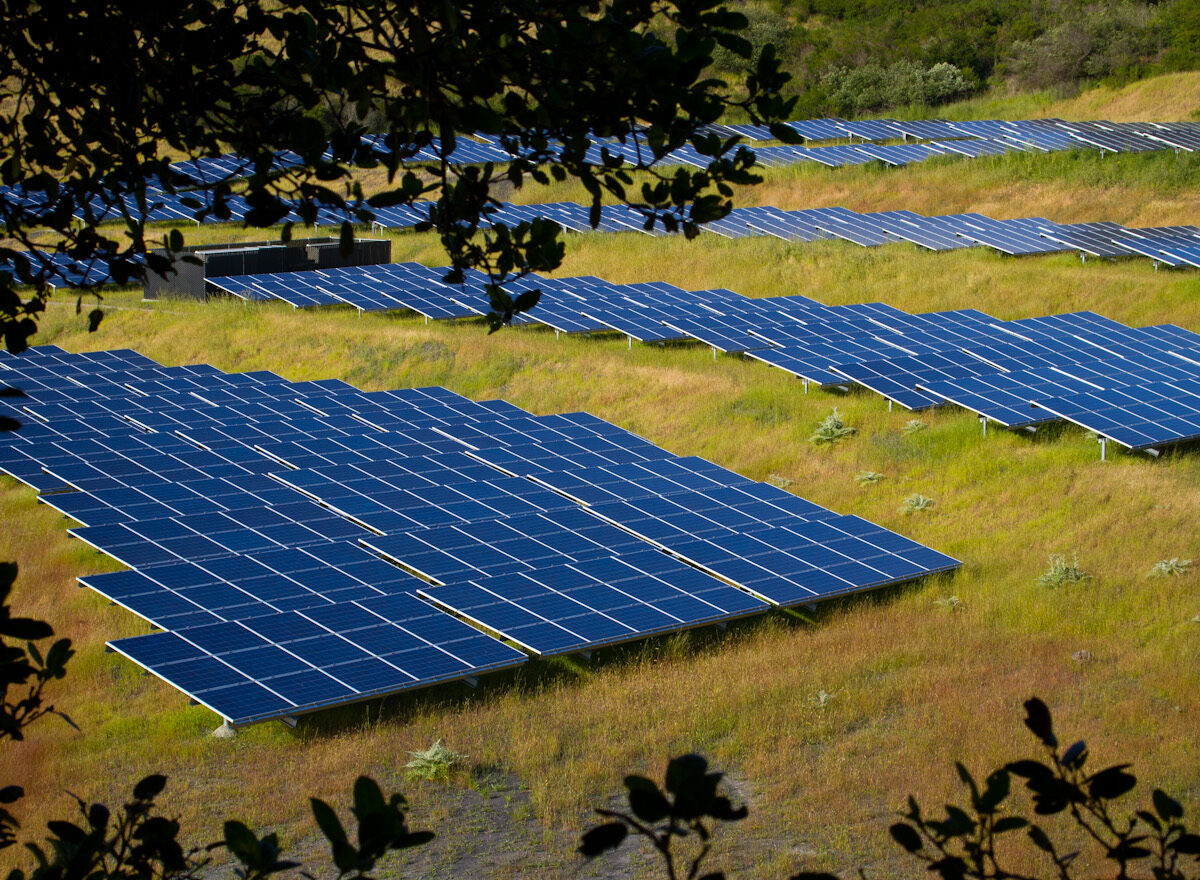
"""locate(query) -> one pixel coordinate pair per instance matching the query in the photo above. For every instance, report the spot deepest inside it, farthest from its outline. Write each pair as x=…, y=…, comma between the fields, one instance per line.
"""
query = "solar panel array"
x=307, y=544
x=1175, y=246
x=1016, y=373
x=870, y=141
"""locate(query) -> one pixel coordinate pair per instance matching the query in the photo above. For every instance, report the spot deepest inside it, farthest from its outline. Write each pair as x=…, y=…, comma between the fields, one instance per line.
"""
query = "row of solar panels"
x=968, y=138
x=937, y=138
x=1016, y=373
x=1174, y=246
x=307, y=544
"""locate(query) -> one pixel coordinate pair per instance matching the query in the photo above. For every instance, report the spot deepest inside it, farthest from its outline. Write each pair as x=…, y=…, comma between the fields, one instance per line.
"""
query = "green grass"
x=908, y=686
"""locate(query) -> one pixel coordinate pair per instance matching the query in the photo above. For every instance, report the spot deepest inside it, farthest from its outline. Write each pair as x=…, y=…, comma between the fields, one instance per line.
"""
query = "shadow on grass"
x=543, y=673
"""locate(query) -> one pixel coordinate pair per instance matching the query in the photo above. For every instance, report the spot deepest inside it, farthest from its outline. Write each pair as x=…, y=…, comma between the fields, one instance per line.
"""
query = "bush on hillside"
x=1106, y=40
x=858, y=90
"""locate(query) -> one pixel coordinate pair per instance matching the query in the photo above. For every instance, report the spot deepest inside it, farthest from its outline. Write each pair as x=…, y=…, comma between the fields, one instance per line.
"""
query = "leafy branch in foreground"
x=137, y=842
x=964, y=844
x=24, y=670
x=98, y=99
x=685, y=806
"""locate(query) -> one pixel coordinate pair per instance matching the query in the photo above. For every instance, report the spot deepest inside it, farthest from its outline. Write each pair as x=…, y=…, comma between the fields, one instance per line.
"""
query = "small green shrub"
x=831, y=430
x=914, y=426
x=1173, y=567
x=866, y=478
x=434, y=764
x=916, y=502
x=953, y=603
x=1060, y=572
x=821, y=699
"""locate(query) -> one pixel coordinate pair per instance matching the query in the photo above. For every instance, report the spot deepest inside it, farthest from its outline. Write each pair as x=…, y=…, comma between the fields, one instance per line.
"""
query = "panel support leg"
x=805, y=381
x=889, y=404
x=1103, y=448
x=631, y=343
x=225, y=731
x=983, y=421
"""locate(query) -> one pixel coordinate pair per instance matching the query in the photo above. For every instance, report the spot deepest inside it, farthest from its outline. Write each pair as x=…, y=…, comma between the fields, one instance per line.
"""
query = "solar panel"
x=307, y=544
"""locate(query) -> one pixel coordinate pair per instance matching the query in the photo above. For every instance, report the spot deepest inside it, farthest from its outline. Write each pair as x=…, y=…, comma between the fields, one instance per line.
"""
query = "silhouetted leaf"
x=1037, y=719
x=1008, y=823
x=905, y=835
x=25, y=628
x=1166, y=806
x=1075, y=756
x=646, y=801
x=149, y=787
x=1040, y=840
x=1111, y=782
x=241, y=841
x=328, y=822
x=1034, y=770
x=1186, y=844
x=602, y=838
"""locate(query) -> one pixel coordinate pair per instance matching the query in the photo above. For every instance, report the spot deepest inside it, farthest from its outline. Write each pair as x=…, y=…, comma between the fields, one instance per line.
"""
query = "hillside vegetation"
x=857, y=56
x=823, y=721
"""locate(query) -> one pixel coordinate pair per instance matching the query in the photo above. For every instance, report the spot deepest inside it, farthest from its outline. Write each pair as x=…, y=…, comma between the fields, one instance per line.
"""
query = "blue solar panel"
x=277, y=598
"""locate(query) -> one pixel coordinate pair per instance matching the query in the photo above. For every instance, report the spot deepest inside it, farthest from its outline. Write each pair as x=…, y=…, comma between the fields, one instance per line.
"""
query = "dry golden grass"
x=1167, y=98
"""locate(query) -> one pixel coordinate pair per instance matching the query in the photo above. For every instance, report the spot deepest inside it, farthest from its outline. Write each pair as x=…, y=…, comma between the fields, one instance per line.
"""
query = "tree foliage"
x=137, y=840
x=967, y=842
x=98, y=97
x=1151, y=841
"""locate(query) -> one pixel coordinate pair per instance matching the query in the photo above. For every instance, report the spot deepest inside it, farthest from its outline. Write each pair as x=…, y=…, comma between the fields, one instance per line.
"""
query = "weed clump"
x=914, y=426
x=1173, y=567
x=434, y=764
x=831, y=430
x=1061, y=572
x=916, y=502
x=866, y=478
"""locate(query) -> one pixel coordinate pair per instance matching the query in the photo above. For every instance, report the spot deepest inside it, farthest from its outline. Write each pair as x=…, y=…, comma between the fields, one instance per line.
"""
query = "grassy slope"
x=915, y=684
x=1169, y=97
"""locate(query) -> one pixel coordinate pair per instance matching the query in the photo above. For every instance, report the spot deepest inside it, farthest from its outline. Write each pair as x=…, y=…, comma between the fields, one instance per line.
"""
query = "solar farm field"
x=824, y=719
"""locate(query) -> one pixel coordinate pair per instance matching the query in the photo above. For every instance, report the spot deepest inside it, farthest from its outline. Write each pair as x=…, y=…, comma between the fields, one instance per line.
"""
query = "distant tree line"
x=863, y=56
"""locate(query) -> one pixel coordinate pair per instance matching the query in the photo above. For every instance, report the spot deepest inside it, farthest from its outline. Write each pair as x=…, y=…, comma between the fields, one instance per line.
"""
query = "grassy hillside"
x=824, y=722
x=1164, y=98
